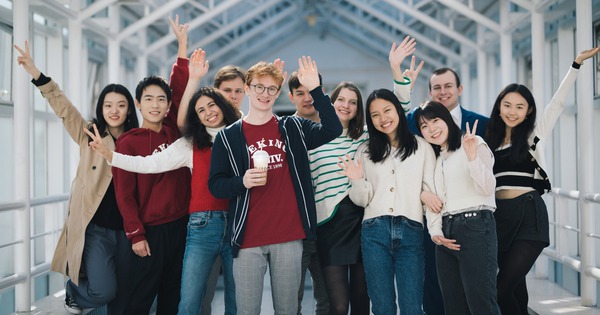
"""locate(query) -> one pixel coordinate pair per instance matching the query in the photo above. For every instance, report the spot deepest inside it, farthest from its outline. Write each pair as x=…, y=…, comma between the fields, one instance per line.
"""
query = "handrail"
x=40, y=201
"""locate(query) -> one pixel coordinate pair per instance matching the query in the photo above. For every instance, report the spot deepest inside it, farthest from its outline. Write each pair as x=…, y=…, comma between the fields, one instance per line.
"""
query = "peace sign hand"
x=198, y=66
x=413, y=73
x=26, y=61
x=180, y=30
x=97, y=145
x=349, y=168
x=469, y=142
x=308, y=74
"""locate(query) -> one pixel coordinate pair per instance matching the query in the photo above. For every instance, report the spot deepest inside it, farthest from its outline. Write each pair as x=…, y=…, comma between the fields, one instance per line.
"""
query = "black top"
x=511, y=175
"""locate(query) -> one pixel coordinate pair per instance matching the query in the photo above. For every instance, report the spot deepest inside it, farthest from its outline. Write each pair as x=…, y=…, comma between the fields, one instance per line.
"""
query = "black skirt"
x=338, y=240
x=522, y=218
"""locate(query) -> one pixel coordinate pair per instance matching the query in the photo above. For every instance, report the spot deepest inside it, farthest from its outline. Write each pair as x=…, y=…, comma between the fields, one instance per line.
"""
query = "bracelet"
x=576, y=65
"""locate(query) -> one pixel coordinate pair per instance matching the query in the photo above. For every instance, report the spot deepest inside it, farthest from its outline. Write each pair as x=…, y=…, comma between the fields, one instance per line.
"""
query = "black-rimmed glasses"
x=259, y=88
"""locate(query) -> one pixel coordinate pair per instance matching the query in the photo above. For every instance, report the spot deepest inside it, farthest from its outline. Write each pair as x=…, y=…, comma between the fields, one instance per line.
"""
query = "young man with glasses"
x=267, y=228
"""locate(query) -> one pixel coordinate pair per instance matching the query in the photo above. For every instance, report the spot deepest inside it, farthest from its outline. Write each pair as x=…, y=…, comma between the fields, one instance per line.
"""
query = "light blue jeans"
x=393, y=246
x=207, y=238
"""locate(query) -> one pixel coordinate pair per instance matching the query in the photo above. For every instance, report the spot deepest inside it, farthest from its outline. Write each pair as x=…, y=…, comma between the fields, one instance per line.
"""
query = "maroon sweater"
x=202, y=199
x=153, y=199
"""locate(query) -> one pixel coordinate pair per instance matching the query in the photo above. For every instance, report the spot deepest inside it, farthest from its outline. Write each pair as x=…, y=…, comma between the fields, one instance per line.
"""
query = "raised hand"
x=586, y=54
x=180, y=31
x=26, y=61
x=279, y=64
x=198, y=64
x=450, y=244
x=97, y=145
x=432, y=201
x=308, y=74
x=413, y=73
x=349, y=168
x=399, y=53
x=469, y=142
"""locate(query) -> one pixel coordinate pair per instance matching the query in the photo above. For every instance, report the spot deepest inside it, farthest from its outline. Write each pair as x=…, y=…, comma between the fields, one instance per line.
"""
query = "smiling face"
x=513, y=109
x=114, y=111
x=209, y=113
x=262, y=102
x=346, y=105
x=444, y=89
x=153, y=106
x=385, y=118
x=435, y=131
x=233, y=90
x=303, y=102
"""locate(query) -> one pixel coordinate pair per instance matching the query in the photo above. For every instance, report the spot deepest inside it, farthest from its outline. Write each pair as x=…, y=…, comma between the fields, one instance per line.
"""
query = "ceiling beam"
x=472, y=14
x=148, y=19
x=201, y=19
x=525, y=4
x=265, y=41
x=94, y=8
x=232, y=26
x=433, y=23
x=421, y=38
x=384, y=50
x=290, y=11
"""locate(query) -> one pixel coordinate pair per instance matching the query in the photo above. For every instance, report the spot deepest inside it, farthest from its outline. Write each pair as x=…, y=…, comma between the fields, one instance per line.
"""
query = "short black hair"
x=152, y=80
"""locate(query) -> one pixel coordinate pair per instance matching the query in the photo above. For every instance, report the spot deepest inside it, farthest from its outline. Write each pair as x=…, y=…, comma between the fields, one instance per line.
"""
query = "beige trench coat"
x=87, y=190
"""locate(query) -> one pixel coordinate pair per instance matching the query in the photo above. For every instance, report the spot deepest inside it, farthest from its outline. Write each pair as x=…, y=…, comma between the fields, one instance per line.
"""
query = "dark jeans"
x=99, y=285
x=468, y=276
x=433, y=303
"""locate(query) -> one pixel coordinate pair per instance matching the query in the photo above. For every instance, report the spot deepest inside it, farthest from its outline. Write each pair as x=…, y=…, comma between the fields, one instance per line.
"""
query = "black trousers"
x=142, y=279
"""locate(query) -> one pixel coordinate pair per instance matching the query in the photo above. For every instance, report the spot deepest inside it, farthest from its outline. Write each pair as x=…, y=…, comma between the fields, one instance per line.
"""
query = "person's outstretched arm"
x=198, y=68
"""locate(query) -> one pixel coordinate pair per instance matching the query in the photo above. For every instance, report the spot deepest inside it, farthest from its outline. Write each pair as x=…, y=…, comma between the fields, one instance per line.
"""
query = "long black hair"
x=432, y=109
x=194, y=129
x=379, y=146
x=356, y=125
x=130, y=122
x=496, y=128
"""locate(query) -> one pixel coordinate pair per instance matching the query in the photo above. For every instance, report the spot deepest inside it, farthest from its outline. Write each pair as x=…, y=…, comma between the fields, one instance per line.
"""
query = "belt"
x=469, y=214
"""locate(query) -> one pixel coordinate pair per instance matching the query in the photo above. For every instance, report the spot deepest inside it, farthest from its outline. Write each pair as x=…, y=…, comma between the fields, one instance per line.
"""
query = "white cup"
x=261, y=159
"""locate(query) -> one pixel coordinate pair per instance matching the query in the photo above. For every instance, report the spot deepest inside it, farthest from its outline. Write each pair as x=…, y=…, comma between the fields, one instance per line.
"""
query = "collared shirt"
x=457, y=115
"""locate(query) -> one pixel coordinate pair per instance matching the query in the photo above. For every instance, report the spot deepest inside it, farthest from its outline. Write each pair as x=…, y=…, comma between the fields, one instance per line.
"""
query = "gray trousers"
x=249, y=269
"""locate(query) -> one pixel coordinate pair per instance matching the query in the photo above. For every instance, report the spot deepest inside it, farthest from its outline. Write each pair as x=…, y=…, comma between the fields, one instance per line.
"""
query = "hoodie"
x=153, y=199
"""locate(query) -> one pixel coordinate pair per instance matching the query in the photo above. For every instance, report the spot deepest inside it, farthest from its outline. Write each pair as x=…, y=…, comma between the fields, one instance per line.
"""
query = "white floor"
x=545, y=298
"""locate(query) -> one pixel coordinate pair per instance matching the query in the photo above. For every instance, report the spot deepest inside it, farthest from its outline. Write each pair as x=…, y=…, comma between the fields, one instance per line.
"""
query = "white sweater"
x=463, y=185
x=393, y=187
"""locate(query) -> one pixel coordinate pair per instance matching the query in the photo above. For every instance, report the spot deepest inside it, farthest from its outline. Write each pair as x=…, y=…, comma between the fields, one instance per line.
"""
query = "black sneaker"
x=70, y=304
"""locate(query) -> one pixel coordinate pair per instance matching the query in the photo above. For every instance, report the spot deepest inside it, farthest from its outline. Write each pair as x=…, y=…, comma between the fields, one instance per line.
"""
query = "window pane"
x=6, y=52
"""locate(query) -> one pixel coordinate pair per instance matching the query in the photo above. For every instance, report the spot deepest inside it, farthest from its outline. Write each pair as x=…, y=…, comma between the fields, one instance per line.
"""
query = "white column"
x=482, y=73
x=585, y=103
x=465, y=78
x=76, y=77
x=506, y=63
x=114, y=46
x=538, y=79
x=21, y=129
x=141, y=67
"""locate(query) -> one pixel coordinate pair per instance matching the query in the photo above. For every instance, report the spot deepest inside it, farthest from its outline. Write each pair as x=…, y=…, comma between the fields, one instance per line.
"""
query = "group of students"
x=378, y=215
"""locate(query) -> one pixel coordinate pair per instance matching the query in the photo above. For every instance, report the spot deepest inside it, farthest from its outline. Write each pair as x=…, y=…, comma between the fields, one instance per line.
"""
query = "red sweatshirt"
x=153, y=199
